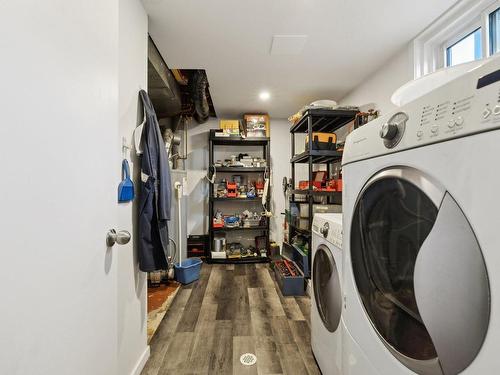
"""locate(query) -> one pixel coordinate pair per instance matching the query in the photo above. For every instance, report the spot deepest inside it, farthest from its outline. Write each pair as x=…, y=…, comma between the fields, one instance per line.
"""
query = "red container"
x=339, y=184
x=232, y=189
x=304, y=185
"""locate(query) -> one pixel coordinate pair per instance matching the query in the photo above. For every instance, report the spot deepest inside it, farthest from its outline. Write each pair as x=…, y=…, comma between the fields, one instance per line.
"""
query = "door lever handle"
x=121, y=237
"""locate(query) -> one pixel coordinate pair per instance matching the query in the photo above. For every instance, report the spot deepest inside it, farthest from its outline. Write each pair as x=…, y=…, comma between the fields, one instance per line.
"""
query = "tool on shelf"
x=218, y=220
x=232, y=189
x=246, y=219
x=289, y=267
x=265, y=192
x=213, y=172
x=232, y=221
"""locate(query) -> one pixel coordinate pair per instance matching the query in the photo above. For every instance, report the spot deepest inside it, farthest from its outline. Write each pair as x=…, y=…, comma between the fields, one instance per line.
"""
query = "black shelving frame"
x=263, y=229
x=315, y=120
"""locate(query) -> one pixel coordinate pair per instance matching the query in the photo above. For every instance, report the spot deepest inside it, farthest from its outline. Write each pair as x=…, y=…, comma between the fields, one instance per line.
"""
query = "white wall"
x=280, y=162
x=379, y=87
x=197, y=168
x=132, y=348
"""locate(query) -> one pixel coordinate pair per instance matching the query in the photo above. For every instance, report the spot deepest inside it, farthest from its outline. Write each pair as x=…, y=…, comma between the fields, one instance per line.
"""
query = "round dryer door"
x=420, y=272
x=327, y=289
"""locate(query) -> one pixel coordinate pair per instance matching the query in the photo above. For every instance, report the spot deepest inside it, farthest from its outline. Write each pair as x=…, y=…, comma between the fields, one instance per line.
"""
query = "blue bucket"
x=188, y=271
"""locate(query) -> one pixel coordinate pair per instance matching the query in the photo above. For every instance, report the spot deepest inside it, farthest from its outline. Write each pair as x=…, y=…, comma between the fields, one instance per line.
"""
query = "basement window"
x=466, y=49
x=469, y=31
x=495, y=32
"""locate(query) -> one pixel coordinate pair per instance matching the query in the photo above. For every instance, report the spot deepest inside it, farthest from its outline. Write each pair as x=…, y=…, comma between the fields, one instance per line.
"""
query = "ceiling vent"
x=288, y=45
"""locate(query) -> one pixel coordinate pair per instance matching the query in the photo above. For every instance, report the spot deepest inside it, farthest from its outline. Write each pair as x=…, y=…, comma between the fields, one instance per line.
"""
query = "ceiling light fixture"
x=264, y=95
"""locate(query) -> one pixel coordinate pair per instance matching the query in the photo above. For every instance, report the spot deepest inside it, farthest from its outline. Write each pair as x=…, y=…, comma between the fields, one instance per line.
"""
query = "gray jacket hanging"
x=154, y=195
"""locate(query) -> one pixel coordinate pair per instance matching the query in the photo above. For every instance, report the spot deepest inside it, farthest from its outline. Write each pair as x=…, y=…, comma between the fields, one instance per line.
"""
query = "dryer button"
x=459, y=121
x=434, y=129
x=486, y=113
x=496, y=110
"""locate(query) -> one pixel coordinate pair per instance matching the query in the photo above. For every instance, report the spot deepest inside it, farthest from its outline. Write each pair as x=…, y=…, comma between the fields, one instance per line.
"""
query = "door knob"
x=121, y=237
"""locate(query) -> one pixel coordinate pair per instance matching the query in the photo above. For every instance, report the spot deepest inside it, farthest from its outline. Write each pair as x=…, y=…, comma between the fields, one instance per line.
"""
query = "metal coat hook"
x=125, y=147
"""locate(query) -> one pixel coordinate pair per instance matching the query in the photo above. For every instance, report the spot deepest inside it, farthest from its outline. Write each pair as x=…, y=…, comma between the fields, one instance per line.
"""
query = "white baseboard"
x=142, y=362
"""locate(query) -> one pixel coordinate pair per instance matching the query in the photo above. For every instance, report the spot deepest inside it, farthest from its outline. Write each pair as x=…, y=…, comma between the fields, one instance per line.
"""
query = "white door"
x=60, y=165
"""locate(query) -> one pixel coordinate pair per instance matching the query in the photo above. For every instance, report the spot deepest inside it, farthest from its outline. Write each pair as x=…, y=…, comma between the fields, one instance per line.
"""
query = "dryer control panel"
x=329, y=226
x=467, y=105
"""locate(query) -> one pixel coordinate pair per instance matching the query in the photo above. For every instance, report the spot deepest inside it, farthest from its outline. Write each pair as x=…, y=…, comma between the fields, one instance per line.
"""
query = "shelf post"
x=310, y=196
x=210, y=197
x=292, y=147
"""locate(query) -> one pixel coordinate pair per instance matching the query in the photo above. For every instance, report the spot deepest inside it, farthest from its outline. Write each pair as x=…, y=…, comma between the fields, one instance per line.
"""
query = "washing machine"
x=421, y=234
x=326, y=296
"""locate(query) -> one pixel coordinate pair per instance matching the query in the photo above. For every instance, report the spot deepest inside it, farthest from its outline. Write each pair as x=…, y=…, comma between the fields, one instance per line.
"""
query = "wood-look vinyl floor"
x=232, y=310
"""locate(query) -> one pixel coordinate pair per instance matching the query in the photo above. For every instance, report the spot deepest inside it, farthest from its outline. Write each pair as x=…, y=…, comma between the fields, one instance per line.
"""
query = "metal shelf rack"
x=315, y=120
x=239, y=200
x=263, y=229
x=240, y=260
x=318, y=157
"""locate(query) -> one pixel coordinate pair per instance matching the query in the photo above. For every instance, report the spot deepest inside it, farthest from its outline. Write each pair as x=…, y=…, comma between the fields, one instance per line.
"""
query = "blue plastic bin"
x=188, y=271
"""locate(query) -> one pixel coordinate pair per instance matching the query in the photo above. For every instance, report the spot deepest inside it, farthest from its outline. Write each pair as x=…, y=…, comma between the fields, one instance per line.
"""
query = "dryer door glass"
x=327, y=290
x=391, y=220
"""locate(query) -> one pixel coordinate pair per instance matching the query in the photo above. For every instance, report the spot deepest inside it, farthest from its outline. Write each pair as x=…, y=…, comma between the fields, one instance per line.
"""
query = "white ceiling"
x=346, y=41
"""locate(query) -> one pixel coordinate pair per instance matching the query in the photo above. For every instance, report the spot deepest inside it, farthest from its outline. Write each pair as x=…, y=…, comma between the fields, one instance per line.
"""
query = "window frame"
x=468, y=30
x=494, y=8
x=429, y=47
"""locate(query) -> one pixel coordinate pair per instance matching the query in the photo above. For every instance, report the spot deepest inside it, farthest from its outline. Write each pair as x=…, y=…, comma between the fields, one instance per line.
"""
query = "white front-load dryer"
x=421, y=243
x=326, y=298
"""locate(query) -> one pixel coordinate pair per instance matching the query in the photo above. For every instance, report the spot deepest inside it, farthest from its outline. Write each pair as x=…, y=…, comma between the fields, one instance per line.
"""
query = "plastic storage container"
x=197, y=246
x=289, y=285
x=188, y=271
x=296, y=255
x=323, y=141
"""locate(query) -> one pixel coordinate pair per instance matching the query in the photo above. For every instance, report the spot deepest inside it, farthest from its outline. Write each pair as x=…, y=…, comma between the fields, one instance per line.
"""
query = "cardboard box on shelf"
x=231, y=127
x=256, y=125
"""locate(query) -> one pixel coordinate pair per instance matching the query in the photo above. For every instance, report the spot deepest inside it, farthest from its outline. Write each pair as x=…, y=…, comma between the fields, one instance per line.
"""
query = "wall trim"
x=142, y=362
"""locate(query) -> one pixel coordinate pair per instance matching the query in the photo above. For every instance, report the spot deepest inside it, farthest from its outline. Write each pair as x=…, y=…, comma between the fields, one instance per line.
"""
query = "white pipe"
x=178, y=188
